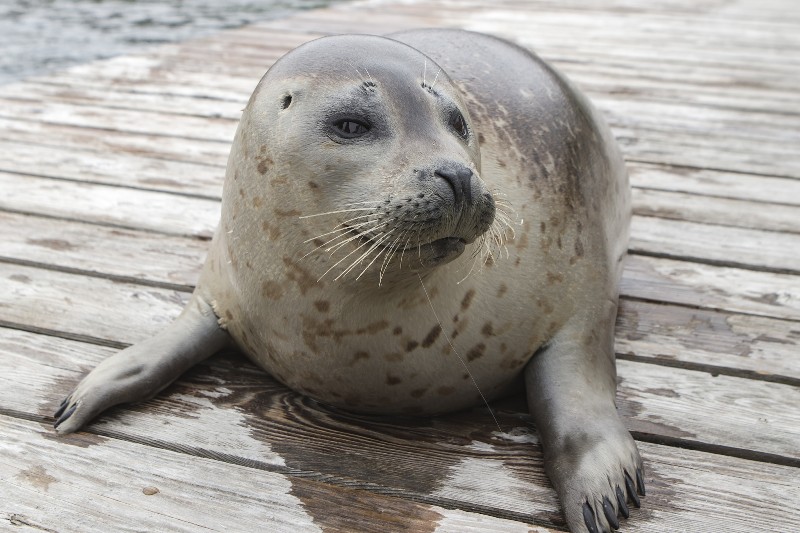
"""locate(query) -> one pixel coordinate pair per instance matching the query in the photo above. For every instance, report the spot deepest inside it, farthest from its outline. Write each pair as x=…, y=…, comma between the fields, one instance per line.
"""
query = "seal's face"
x=382, y=155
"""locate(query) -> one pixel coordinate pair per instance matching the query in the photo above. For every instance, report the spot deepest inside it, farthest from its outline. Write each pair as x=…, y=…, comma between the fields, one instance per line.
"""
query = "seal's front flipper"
x=140, y=371
x=590, y=457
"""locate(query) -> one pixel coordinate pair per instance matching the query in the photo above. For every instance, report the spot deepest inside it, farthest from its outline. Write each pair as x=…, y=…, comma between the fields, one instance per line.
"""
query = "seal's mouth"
x=419, y=255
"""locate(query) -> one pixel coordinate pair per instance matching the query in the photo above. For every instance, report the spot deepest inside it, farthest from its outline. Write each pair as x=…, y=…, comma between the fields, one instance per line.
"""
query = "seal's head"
x=367, y=147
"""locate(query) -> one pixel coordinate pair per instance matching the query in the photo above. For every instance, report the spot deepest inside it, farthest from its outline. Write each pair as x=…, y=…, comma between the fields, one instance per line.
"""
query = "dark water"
x=39, y=36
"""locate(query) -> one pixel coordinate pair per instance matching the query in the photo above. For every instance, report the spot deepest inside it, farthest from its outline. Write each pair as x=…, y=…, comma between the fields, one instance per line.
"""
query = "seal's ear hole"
x=287, y=101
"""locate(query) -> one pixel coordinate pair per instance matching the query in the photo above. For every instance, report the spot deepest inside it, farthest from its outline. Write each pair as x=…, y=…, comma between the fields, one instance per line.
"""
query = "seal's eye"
x=458, y=124
x=349, y=128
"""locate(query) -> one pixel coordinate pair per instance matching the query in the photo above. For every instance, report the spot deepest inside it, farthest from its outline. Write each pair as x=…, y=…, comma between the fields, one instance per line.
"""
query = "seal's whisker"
x=383, y=239
x=335, y=212
x=374, y=243
x=343, y=233
x=471, y=268
x=342, y=259
x=360, y=234
x=343, y=226
x=405, y=247
x=389, y=256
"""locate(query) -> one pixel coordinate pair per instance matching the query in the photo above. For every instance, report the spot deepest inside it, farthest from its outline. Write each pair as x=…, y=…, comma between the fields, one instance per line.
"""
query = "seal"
x=412, y=230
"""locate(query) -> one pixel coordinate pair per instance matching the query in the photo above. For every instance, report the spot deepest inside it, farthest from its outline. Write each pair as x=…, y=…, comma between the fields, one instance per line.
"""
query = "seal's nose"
x=460, y=179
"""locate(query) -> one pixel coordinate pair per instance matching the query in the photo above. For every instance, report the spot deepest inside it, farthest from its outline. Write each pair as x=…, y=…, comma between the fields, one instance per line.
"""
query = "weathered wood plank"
x=738, y=213
x=80, y=306
x=114, y=206
x=97, y=165
x=704, y=182
x=44, y=136
x=100, y=250
x=104, y=118
x=715, y=340
x=724, y=288
x=728, y=246
x=90, y=483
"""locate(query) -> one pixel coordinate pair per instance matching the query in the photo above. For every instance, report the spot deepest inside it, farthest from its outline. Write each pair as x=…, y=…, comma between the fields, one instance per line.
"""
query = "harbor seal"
x=411, y=231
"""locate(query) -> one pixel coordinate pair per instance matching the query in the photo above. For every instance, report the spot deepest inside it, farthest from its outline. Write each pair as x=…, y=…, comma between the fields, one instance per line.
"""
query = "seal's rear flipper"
x=141, y=371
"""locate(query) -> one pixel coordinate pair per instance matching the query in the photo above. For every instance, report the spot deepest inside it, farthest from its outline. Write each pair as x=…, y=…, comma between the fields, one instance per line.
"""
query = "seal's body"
x=397, y=228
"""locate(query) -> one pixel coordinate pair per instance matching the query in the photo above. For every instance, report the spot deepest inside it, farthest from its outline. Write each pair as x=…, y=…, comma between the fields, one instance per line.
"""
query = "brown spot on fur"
x=263, y=165
x=543, y=226
x=445, y=391
x=487, y=330
x=481, y=138
x=393, y=357
x=303, y=279
x=398, y=330
x=241, y=192
x=358, y=356
x=553, y=278
x=465, y=303
x=545, y=306
x=272, y=290
x=289, y=213
x=373, y=328
x=502, y=290
x=432, y=335
x=503, y=347
x=417, y=393
x=411, y=345
x=228, y=314
x=393, y=380
x=578, y=248
x=464, y=376
x=323, y=306
x=271, y=229
x=313, y=185
x=257, y=201
x=476, y=352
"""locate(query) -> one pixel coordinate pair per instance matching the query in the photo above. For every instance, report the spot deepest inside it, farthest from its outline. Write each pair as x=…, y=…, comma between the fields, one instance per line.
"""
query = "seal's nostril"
x=464, y=173
x=460, y=179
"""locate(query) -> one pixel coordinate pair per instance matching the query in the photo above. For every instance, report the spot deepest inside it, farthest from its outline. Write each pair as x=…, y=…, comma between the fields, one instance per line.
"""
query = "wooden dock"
x=110, y=180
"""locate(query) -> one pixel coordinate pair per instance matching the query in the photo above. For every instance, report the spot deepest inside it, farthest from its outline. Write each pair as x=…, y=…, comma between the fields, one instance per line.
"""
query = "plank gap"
x=729, y=170
x=79, y=337
x=117, y=185
x=714, y=370
x=106, y=224
x=715, y=262
x=118, y=130
x=717, y=449
x=101, y=275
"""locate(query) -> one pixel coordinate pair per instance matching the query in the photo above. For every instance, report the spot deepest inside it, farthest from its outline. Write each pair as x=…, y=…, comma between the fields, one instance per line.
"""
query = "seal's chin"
x=440, y=251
